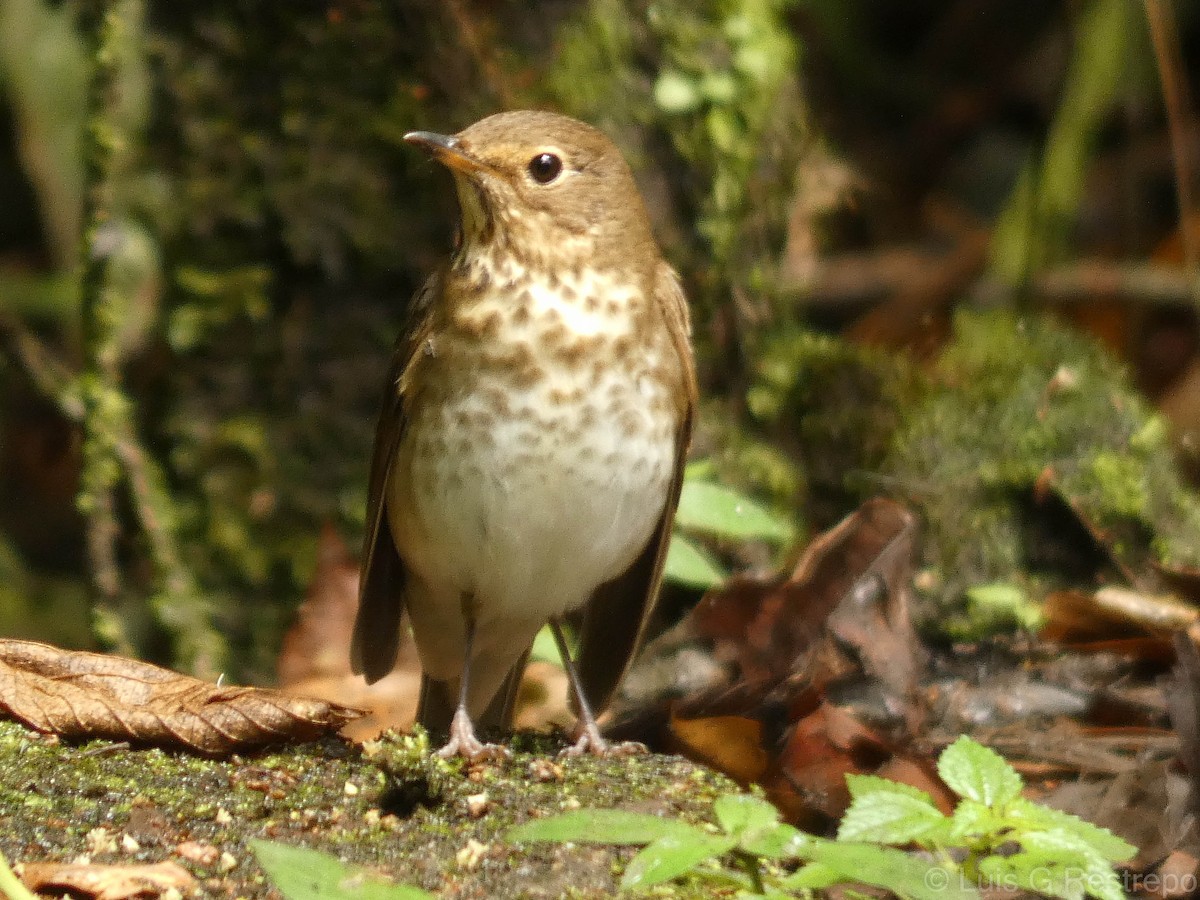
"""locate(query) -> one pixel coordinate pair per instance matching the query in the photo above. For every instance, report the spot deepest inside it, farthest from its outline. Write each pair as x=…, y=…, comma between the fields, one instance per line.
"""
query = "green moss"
x=1019, y=411
x=832, y=407
x=717, y=79
x=395, y=809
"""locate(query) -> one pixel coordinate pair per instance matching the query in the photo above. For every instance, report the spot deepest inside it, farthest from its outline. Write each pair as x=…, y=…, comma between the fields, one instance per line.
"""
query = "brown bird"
x=537, y=413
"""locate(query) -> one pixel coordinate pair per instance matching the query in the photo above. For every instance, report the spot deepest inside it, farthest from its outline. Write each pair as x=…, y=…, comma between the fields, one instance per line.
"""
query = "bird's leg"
x=590, y=739
x=463, y=741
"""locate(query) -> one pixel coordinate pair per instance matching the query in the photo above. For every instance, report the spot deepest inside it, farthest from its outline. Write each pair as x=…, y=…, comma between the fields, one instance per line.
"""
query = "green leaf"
x=1054, y=864
x=11, y=886
x=1002, y=604
x=890, y=817
x=978, y=773
x=779, y=842
x=862, y=786
x=891, y=869
x=1026, y=815
x=972, y=822
x=602, y=826
x=1079, y=861
x=813, y=877
x=671, y=856
x=740, y=813
x=1107, y=54
x=304, y=874
x=687, y=564
x=718, y=510
x=545, y=648
x=676, y=93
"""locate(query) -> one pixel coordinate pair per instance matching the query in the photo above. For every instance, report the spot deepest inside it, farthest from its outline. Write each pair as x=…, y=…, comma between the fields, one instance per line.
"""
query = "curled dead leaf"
x=106, y=882
x=75, y=694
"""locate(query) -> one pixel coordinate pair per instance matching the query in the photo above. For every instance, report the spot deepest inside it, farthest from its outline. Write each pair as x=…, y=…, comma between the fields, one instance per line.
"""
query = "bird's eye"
x=544, y=168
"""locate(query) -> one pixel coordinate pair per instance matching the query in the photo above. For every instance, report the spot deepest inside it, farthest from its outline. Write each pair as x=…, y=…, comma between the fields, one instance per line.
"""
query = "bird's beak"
x=448, y=150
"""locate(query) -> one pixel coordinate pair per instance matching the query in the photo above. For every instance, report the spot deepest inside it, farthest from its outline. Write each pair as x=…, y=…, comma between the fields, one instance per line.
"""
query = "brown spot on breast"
x=591, y=303
x=555, y=334
x=562, y=396
x=575, y=351
x=496, y=399
x=622, y=347
x=514, y=363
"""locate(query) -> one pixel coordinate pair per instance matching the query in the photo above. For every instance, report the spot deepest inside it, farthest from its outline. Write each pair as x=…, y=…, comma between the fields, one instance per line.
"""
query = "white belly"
x=522, y=517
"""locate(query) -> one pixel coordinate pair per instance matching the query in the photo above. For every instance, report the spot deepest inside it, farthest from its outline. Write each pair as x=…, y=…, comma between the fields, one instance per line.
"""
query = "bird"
x=536, y=419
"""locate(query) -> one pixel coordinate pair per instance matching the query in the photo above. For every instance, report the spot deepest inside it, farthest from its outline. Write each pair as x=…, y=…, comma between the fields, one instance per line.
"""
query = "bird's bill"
x=447, y=150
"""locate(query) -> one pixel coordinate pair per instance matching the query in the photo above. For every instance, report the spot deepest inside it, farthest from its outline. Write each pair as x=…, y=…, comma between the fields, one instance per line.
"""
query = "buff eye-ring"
x=545, y=167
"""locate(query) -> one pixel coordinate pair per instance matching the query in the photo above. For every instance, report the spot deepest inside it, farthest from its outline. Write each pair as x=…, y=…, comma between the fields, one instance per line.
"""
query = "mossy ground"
x=392, y=808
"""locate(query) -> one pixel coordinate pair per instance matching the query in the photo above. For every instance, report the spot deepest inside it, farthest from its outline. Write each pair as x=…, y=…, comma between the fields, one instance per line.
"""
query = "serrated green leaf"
x=669, y=857
x=304, y=874
x=891, y=817
x=1027, y=815
x=971, y=821
x=1051, y=869
x=1078, y=861
x=601, y=826
x=723, y=512
x=780, y=842
x=739, y=813
x=978, y=773
x=688, y=565
x=893, y=870
x=865, y=785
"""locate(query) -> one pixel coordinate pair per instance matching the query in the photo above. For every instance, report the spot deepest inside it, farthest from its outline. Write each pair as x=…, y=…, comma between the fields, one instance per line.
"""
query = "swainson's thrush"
x=536, y=417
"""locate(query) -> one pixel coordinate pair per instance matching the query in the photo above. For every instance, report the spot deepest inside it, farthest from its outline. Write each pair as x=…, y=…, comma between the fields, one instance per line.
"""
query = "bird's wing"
x=376, y=639
x=619, y=611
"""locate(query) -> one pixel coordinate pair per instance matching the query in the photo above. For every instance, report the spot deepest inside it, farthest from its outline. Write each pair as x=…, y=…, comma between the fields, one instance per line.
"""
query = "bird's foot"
x=592, y=742
x=465, y=744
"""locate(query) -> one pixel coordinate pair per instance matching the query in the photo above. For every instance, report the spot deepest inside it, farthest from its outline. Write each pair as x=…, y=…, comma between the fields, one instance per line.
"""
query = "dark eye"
x=544, y=168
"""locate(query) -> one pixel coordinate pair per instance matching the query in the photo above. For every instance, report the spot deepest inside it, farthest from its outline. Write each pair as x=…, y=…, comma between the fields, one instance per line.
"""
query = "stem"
x=1164, y=33
x=749, y=864
x=113, y=454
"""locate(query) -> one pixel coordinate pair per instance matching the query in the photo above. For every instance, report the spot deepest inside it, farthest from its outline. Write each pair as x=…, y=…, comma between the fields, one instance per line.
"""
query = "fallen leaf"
x=843, y=608
x=808, y=779
x=730, y=744
x=75, y=694
x=318, y=643
x=107, y=882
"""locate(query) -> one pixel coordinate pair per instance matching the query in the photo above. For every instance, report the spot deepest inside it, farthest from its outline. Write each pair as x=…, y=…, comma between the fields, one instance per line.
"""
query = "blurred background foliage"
x=909, y=230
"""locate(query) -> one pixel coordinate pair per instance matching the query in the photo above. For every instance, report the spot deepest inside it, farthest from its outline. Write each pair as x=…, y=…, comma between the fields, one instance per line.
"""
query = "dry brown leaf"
x=315, y=658
x=844, y=607
x=75, y=694
x=317, y=646
x=729, y=744
x=808, y=778
x=107, y=882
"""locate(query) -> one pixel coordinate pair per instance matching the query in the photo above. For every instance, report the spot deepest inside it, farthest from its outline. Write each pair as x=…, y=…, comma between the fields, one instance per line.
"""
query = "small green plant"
x=756, y=843
x=304, y=874
x=712, y=509
x=994, y=837
x=1008, y=841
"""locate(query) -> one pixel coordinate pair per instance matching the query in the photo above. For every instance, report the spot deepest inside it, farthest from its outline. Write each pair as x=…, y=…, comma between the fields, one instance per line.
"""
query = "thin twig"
x=1164, y=32
x=473, y=42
